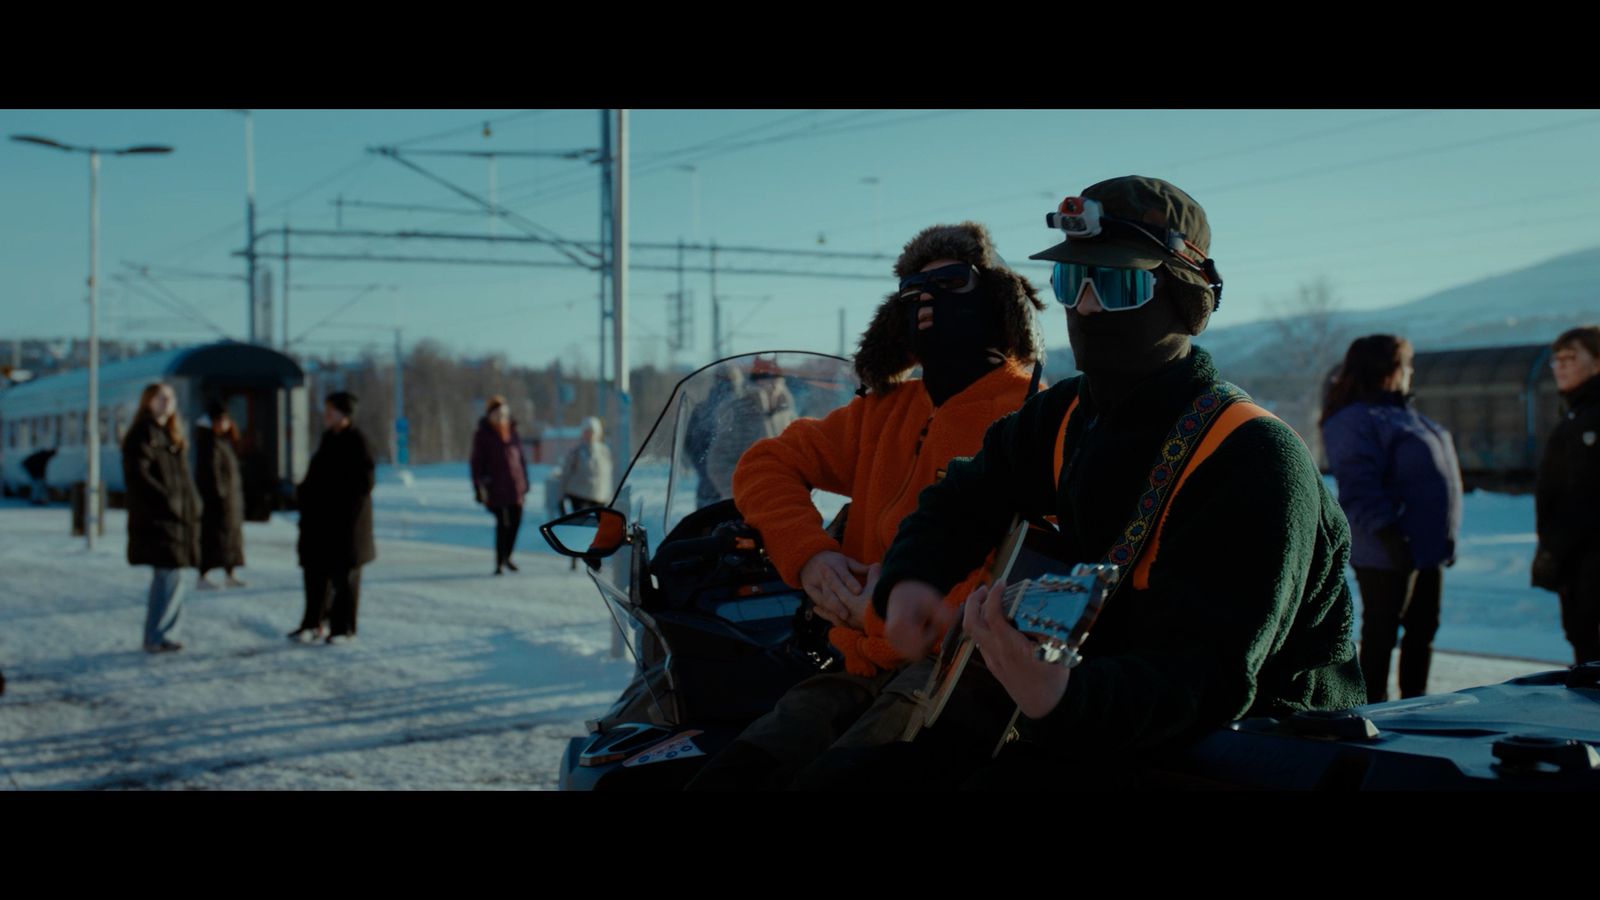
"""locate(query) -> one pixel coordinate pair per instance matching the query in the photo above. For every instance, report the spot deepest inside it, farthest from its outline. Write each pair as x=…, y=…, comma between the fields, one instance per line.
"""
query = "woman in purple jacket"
x=1400, y=487
x=500, y=477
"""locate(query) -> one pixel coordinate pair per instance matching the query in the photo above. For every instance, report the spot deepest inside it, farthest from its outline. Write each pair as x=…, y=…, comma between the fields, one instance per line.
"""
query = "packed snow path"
x=459, y=680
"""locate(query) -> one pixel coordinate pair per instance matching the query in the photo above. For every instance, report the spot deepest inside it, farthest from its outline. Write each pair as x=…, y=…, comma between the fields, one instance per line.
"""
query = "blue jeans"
x=165, y=606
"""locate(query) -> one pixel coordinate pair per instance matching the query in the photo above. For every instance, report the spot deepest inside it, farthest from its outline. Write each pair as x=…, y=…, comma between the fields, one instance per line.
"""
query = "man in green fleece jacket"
x=1243, y=609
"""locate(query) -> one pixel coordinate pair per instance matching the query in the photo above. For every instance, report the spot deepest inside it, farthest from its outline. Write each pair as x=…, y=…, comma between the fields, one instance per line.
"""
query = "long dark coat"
x=163, y=505
x=217, y=475
x=498, y=466
x=1568, y=491
x=335, y=501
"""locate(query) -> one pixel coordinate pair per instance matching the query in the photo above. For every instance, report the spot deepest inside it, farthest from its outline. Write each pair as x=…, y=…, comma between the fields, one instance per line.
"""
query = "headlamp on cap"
x=1078, y=217
x=1084, y=218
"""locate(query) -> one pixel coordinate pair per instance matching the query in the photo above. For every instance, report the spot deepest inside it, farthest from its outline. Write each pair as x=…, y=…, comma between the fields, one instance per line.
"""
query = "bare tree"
x=1307, y=339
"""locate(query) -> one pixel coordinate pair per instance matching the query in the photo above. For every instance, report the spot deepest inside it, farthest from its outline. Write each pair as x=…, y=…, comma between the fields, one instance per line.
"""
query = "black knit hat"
x=343, y=401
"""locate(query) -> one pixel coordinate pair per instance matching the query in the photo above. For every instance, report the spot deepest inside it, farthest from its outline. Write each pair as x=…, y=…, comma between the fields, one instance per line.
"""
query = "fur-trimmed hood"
x=884, y=354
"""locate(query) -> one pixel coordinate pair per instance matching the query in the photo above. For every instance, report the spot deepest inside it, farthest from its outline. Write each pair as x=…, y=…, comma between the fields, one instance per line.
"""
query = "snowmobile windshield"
x=712, y=417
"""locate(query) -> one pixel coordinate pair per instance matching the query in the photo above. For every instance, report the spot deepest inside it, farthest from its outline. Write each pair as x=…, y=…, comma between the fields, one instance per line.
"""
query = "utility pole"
x=494, y=206
x=402, y=427
x=254, y=316
x=677, y=305
x=841, y=331
x=619, y=286
x=264, y=300
x=605, y=252
x=286, y=287
x=681, y=316
x=93, y=501
x=716, y=308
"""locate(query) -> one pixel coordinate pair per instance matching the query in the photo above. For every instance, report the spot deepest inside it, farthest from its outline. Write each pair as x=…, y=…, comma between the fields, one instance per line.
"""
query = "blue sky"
x=1389, y=205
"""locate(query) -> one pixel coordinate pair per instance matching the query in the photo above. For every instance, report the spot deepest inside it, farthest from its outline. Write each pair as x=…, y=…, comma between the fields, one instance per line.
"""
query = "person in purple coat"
x=1400, y=487
x=500, y=477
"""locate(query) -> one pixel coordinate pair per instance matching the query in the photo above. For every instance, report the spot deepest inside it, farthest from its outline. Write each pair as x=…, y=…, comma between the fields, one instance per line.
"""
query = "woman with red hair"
x=163, y=511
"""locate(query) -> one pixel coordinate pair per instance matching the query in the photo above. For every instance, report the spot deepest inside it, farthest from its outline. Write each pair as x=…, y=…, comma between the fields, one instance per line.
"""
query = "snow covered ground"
x=460, y=680
x=1488, y=605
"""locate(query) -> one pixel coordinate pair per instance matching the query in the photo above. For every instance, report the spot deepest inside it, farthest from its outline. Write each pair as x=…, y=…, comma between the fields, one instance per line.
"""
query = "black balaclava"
x=1118, y=350
x=960, y=347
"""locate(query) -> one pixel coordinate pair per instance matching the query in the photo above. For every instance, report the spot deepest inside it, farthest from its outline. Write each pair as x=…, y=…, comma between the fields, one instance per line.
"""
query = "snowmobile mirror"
x=593, y=533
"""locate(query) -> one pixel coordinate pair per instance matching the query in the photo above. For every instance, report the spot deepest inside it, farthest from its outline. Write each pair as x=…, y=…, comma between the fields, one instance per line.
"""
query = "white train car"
x=263, y=389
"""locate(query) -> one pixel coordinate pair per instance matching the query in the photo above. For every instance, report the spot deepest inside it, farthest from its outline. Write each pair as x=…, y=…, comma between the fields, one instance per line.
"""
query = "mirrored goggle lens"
x=956, y=279
x=1118, y=288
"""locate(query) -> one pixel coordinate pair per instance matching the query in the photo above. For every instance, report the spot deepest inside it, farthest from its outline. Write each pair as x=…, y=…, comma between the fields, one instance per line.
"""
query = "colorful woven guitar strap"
x=1176, y=453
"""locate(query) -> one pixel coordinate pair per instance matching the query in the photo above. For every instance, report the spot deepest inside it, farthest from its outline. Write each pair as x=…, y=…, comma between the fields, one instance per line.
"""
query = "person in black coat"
x=163, y=511
x=222, y=490
x=1568, y=494
x=500, y=477
x=335, y=501
x=36, y=465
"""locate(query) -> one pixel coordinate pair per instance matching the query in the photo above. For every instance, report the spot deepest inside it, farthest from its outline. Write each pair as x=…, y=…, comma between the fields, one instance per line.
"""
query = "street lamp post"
x=253, y=315
x=92, y=499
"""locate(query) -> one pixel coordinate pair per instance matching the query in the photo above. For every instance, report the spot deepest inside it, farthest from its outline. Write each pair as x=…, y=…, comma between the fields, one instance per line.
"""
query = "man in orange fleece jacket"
x=968, y=320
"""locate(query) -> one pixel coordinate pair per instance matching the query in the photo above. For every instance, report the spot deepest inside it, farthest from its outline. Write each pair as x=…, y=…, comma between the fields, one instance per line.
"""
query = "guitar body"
x=1059, y=609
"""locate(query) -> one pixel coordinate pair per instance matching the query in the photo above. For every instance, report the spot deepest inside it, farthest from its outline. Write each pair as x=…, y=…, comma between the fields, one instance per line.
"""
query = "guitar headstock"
x=1060, y=609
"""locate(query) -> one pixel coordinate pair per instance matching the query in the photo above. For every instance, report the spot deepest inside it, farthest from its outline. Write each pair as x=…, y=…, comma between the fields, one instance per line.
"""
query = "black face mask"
x=1130, y=342
x=955, y=351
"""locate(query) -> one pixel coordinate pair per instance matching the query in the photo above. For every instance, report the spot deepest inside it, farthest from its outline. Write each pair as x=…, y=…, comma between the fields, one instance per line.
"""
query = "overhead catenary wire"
x=145, y=293
x=463, y=129
x=341, y=308
x=815, y=131
x=1058, y=190
x=1512, y=134
x=497, y=209
x=553, y=264
x=186, y=306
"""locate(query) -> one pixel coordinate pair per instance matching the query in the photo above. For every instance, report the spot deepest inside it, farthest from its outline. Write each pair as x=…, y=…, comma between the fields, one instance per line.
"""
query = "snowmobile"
x=717, y=638
x=715, y=634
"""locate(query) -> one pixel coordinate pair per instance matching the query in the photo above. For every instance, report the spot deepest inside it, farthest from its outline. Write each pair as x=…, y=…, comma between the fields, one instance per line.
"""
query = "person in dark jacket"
x=500, y=477
x=1237, y=606
x=335, y=501
x=163, y=511
x=222, y=492
x=1400, y=487
x=1567, y=500
x=36, y=465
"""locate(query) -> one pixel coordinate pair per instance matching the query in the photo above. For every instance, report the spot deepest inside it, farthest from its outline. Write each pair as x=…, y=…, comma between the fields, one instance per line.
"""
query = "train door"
x=297, y=436
x=253, y=413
